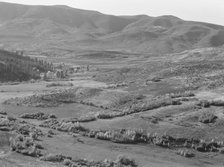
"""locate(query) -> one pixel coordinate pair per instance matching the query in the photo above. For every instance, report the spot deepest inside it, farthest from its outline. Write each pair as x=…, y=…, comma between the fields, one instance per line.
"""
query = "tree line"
x=14, y=66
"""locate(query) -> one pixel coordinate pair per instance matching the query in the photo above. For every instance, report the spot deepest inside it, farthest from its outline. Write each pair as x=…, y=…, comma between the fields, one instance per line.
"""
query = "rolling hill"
x=40, y=27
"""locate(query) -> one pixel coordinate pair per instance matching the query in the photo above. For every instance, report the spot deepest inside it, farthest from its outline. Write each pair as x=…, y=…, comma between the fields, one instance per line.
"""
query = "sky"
x=211, y=11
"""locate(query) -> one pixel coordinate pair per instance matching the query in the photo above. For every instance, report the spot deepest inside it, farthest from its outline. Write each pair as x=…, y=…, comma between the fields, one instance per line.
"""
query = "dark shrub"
x=207, y=117
x=204, y=103
x=123, y=160
x=217, y=103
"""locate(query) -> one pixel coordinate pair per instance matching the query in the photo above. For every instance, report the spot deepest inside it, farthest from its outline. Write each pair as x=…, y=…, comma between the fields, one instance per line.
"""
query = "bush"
x=87, y=118
x=110, y=115
x=207, y=117
x=25, y=145
x=3, y=112
x=221, y=150
x=126, y=136
x=71, y=127
x=182, y=94
x=126, y=161
x=204, y=103
x=186, y=153
x=121, y=138
x=155, y=120
x=54, y=158
x=59, y=84
x=67, y=162
x=38, y=116
x=217, y=103
x=121, y=161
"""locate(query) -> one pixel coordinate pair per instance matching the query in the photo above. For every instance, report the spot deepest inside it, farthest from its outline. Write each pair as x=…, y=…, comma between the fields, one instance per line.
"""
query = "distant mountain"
x=166, y=34
x=39, y=27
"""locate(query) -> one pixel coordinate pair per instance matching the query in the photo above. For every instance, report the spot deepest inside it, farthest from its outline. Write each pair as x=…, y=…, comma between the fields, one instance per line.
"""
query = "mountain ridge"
x=52, y=25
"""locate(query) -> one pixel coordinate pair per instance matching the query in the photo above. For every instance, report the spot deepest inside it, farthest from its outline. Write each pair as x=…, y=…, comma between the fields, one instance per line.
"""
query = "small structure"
x=43, y=76
x=50, y=75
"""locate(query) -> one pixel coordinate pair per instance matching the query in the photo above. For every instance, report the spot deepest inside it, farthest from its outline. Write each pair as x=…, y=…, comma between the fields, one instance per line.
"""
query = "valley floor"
x=166, y=107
